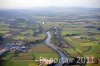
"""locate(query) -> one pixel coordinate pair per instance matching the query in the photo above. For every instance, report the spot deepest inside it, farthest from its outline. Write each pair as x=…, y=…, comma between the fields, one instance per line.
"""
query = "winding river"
x=62, y=56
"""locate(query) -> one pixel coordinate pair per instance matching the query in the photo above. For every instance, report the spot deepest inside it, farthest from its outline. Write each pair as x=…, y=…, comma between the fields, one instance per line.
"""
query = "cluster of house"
x=2, y=50
x=17, y=45
x=91, y=33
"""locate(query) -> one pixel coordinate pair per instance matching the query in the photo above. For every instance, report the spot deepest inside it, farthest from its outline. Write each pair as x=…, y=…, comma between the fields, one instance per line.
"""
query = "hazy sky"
x=45, y=3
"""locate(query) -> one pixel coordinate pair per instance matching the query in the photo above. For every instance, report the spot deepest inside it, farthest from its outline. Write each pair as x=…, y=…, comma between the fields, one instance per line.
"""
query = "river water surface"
x=61, y=54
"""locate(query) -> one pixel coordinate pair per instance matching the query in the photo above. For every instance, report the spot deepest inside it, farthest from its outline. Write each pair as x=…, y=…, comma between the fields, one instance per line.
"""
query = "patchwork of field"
x=42, y=50
x=75, y=27
x=20, y=31
x=29, y=57
x=25, y=32
x=21, y=63
x=84, y=41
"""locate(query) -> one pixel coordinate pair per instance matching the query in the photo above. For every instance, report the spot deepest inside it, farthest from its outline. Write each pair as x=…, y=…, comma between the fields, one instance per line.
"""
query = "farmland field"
x=73, y=33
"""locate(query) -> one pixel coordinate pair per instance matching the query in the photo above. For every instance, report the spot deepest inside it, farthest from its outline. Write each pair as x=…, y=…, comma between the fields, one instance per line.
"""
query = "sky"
x=18, y=4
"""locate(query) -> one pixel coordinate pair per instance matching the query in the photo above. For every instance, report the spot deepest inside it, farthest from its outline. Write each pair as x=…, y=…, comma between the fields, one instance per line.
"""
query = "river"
x=62, y=56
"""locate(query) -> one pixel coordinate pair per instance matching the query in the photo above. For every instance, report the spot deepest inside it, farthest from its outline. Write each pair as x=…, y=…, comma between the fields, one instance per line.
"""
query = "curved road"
x=62, y=56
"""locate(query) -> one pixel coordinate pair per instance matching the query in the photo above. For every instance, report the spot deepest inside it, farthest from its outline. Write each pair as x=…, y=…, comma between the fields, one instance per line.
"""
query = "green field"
x=87, y=45
x=29, y=58
x=77, y=34
x=20, y=63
